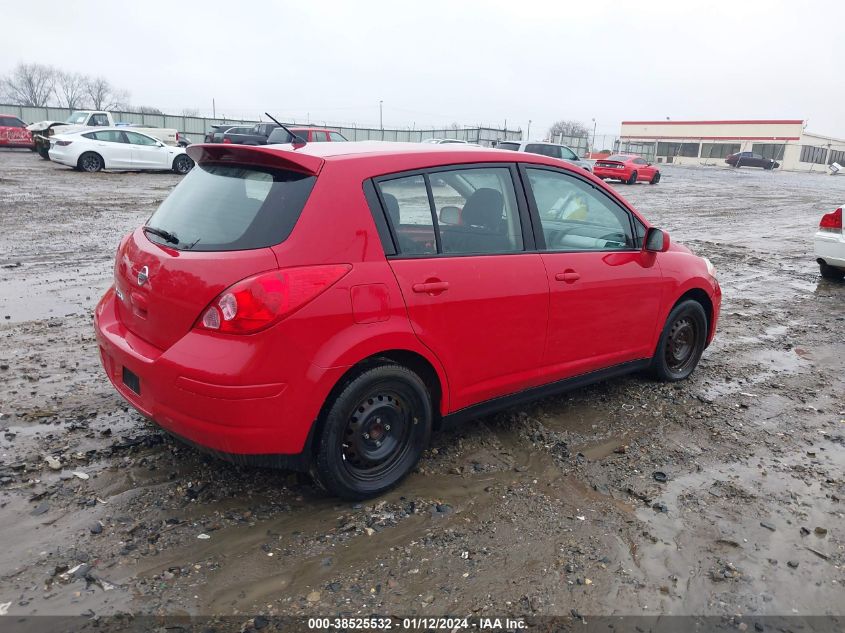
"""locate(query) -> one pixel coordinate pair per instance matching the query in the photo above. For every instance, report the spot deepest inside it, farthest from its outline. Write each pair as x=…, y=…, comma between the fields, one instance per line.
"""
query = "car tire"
x=90, y=162
x=830, y=272
x=373, y=432
x=681, y=343
x=43, y=153
x=655, y=179
x=633, y=179
x=182, y=164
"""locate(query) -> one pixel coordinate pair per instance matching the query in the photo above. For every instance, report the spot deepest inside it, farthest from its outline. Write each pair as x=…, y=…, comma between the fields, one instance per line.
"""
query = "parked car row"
x=269, y=134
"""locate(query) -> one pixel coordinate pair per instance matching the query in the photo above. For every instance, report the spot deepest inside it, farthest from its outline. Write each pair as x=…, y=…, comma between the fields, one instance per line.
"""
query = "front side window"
x=140, y=139
x=406, y=203
x=575, y=216
x=99, y=120
x=336, y=137
x=476, y=211
x=568, y=154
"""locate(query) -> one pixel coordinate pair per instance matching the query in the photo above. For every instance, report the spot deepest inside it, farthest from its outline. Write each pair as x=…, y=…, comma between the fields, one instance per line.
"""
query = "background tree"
x=29, y=85
x=144, y=109
x=71, y=89
x=103, y=96
x=568, y=128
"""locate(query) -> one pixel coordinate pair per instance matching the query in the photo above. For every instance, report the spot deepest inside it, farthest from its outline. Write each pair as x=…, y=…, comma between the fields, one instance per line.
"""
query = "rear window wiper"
x=167, y=236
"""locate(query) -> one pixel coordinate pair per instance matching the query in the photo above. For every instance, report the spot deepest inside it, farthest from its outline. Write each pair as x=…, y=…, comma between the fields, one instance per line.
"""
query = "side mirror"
x=648, y=164
x=656, y=241
x=450, y=215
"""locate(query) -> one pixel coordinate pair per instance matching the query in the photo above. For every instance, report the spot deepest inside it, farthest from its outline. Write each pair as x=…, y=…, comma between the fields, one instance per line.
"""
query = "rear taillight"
x=258, y=302
x=177, y=137
x=227, y=140
x=831, y=221
x=63, y=143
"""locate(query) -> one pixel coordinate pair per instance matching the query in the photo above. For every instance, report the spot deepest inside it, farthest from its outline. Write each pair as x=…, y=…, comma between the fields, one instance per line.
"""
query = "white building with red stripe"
x=710, y=142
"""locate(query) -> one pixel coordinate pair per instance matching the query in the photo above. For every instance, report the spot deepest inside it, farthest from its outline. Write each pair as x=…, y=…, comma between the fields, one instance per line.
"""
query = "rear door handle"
x=431, y=287
x=569, y=276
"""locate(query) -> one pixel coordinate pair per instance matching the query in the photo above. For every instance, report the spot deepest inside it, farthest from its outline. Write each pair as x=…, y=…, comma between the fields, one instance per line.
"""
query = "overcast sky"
x=435, y=62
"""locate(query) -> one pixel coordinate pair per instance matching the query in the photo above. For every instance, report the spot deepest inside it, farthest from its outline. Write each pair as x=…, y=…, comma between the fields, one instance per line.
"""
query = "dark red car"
x=628, y=168
x=325, y=307
x=13, y=132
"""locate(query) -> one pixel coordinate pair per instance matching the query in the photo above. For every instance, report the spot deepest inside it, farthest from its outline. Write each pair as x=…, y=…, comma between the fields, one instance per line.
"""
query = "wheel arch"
x=701, y=296
x=413, y=360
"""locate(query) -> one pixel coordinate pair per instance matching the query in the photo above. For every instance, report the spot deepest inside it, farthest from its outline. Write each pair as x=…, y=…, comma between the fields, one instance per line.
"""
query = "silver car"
x=563, y=152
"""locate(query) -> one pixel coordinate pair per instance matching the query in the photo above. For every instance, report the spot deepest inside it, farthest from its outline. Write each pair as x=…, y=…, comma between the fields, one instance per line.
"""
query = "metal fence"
x=195, y=127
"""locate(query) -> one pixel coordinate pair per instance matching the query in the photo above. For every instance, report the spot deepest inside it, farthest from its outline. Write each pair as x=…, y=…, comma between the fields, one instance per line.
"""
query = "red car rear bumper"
x=267, y=419
x=610, y=172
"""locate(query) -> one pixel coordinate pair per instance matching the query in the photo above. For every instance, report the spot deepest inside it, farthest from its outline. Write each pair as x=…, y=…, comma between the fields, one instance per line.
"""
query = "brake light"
x=831, y=221
x=177, y=136
x=63, y=143
x=227, y=140
x=257, y=302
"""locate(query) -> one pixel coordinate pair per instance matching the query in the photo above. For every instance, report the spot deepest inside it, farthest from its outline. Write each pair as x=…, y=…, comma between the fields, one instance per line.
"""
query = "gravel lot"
x=547, y=509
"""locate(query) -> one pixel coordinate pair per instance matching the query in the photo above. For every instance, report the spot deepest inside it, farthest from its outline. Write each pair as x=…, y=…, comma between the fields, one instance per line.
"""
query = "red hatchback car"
x=628, y=168
x=325, y=307
x=13, y=132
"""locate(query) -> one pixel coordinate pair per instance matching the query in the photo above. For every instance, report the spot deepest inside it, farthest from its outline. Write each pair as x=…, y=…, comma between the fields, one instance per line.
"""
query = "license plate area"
x=132, y=381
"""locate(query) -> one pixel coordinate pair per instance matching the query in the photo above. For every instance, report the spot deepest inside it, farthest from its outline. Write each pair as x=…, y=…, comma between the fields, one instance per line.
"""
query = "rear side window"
x=406, y=203
x=544, y=150
x=231, y=208
x=469, y=211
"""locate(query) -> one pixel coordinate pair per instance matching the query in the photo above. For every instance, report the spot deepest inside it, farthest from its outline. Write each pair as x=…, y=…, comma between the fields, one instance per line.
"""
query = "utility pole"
x=213, y=108
x=381, y=117
x=528, y=134
x=593, y=144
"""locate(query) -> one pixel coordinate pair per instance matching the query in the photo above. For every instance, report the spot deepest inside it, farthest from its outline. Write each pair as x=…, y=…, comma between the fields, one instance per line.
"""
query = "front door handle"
x=569, y=276
x=431, y=287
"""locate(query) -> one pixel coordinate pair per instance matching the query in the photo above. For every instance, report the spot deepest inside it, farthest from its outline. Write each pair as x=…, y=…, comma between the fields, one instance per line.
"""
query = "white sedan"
x=830, y=245
x=119, y=149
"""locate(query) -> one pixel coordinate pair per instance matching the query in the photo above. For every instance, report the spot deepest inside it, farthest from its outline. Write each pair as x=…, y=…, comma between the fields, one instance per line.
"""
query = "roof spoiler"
x=256, y=155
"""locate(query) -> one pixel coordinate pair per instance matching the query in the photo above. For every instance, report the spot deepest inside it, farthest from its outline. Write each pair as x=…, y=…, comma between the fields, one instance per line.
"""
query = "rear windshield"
x=231, y=208
x=617, y=157
x=504, y=145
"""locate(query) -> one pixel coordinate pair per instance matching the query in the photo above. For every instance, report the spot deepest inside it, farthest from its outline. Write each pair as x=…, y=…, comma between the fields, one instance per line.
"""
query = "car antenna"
x=301, y=142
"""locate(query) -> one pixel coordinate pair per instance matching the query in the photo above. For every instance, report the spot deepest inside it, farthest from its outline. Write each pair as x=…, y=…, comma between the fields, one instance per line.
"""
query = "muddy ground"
x=548, y=509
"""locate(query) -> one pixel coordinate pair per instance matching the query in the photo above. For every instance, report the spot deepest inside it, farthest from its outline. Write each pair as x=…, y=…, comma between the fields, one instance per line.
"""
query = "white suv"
x=830, y=245
x=555, y=150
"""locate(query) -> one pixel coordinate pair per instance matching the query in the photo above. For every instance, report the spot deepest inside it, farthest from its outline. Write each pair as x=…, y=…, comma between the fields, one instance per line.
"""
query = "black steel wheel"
x=681, y=343
x=373, y=432
x=90, y=162
x=632, y=180
x=182, y=164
